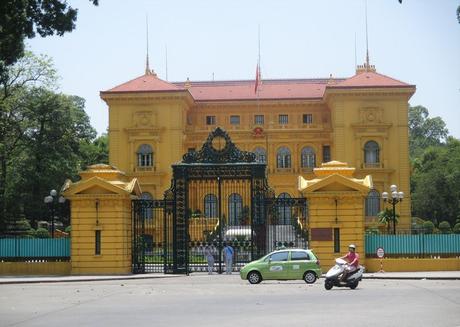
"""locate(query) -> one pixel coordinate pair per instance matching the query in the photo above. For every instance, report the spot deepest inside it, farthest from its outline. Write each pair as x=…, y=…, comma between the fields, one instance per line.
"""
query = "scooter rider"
x=353, y=262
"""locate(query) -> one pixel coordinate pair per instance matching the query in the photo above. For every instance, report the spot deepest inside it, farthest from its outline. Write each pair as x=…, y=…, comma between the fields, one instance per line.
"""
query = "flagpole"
x=258, y=35
x=258, y=70
x=258, y=81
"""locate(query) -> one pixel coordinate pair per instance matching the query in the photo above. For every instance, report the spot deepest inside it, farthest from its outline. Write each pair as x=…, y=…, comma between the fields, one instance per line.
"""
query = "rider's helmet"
x=352, y=246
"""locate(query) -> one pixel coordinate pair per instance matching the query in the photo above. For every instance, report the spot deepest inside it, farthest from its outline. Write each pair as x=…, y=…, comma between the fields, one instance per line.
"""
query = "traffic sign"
x=380, y=252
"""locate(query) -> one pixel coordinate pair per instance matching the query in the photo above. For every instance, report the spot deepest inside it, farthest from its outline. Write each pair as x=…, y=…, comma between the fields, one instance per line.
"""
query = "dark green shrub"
x=444, y=227
x=372, y=231
x=68, y=229
x=42, y=233
x=21, y=228
x=456, y=228
x=196, y=214
x=428, y=227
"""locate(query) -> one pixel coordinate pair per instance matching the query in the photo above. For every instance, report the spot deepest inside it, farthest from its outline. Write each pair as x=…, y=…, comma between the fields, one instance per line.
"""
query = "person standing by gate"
x=228, y=256
x=208, y=253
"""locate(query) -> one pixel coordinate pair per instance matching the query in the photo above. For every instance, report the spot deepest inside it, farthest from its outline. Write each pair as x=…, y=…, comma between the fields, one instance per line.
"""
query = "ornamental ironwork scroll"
x=219, y=148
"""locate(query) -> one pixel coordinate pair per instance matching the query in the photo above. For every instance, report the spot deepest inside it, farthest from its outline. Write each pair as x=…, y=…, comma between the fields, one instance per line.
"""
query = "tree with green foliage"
x=386, y=217
x=21, y=19
x=95, y=151
x=424, y=131
x=436, y=183
x=29, y=71
x=55, y=126
x=45, y=138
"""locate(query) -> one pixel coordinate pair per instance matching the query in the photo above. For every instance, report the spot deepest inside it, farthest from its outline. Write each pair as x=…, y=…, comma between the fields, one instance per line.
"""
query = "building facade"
x=293, y=125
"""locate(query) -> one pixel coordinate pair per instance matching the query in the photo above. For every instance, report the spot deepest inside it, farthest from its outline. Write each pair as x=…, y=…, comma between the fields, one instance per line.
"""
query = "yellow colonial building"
x=294, y=125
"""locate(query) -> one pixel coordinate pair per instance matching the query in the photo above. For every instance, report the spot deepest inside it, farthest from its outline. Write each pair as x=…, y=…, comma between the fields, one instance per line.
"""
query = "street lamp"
x=396, y=197
x=52, y=201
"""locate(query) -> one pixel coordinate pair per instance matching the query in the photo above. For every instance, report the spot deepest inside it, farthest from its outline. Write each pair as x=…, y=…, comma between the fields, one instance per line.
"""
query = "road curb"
x=408, y=277
x=83, y=279
x=412, y=277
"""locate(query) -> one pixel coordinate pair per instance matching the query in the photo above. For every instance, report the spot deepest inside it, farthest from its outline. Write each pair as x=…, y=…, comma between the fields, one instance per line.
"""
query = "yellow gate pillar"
x=336, y=210
x=101, y=220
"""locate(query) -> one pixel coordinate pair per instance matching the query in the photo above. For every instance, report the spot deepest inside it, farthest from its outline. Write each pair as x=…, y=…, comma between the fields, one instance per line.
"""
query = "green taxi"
x=286, y=264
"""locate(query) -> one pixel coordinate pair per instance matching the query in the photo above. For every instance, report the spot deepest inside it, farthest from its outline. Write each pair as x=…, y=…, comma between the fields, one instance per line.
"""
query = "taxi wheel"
x=309, y=277
x=254, y=277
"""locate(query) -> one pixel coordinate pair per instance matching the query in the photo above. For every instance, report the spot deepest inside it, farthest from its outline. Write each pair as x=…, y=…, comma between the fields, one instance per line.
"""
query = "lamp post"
x=395, y=198
x=52, y=201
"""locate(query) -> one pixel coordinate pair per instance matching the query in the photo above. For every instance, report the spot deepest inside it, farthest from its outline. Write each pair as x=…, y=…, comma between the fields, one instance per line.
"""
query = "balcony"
x=307, y=170
x=145, y=169
x=283, y=170
x=372, y=165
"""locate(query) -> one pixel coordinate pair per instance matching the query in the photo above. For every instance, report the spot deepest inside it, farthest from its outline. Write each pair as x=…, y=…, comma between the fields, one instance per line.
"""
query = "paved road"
x=222, y=300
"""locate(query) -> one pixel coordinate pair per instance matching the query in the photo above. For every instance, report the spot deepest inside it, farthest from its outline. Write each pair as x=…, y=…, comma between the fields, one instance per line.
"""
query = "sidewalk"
x=441, y=275
x=433, y=275
x=68, y=279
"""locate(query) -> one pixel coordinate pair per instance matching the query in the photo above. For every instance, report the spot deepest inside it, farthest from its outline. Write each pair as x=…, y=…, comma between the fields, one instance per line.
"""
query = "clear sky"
x=417, y=42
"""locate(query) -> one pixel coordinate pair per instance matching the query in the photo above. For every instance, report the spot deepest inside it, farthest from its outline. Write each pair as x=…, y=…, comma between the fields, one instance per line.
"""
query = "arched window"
x=372, y=203
x=210, y=206
x=261, y=155
x=145, y=156
x=308, y=157
x=283, y=158
x=147, y=213
x=284, y=210
x=371, y=153
x=235, y=207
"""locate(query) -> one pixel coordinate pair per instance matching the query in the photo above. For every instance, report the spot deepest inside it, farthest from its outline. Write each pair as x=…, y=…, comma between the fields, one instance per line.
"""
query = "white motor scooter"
x=334, y=275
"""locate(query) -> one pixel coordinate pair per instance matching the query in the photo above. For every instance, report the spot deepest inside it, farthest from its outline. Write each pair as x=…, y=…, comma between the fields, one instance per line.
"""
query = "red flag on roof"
x=257, y=78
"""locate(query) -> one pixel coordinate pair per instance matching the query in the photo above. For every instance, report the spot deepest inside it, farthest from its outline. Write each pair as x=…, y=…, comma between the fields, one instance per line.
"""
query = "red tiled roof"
x=145, y=83
x=369, y=79
x=268, y=89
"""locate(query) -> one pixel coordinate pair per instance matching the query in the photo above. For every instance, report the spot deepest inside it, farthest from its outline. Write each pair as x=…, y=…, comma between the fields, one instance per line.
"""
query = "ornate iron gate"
x=287, y=223
x=152, y=227
x=218, y=195
x=215, y=203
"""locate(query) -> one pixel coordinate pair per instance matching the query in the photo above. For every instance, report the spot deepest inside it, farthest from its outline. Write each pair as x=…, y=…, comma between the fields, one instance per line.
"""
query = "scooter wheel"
x=328, y=285
x=354, y=285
